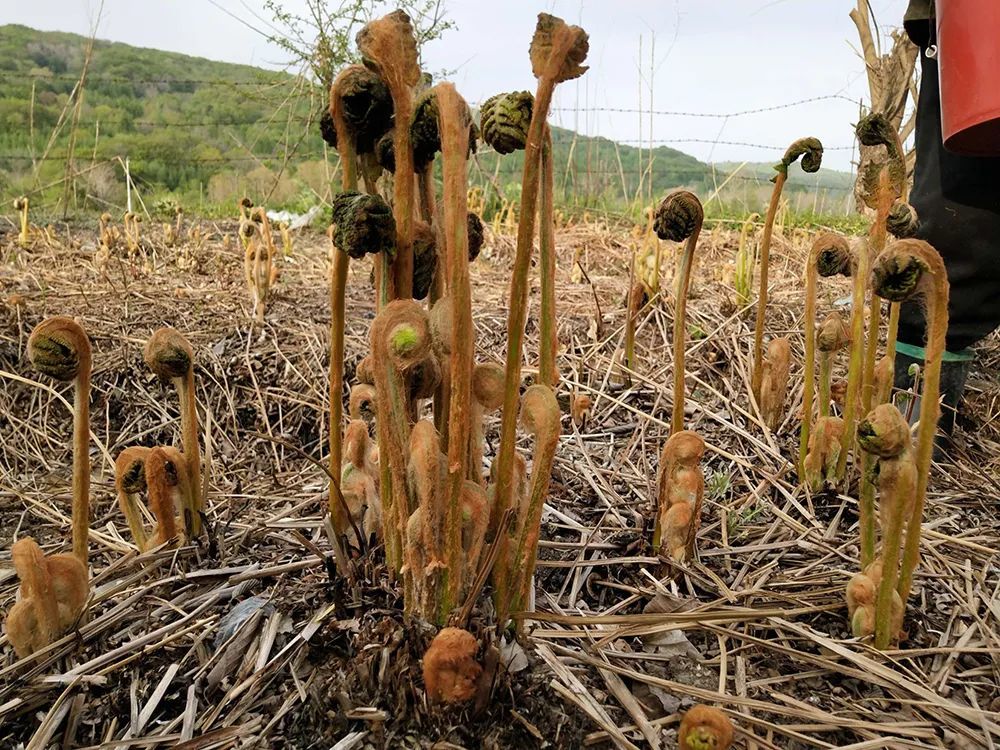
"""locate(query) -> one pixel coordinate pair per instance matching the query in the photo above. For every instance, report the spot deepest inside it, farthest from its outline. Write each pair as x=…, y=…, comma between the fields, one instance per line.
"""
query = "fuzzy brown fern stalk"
x=557, y=52
x=819, y=467
x=548, y=342
x=774, y=381
x=635, y=301
x=167, y=481
x=170, y=356
x=60, y=348
x=52, y=596
x=388, y=45
x=705, y=728
x=885, y=434
x=811, y=151
x=679, y=218
x=908, y=269
x=680, y=490
x=829, y=255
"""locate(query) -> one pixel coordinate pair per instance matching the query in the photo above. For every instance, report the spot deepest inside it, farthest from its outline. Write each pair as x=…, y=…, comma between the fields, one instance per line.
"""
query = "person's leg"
x=957, y=200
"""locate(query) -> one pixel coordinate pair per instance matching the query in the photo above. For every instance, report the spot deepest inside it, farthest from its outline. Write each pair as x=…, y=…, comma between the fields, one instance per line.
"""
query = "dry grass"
x=757, y=624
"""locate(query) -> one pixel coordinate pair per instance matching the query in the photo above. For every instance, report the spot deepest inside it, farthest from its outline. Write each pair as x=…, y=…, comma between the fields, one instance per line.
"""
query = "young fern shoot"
x=829, y=255
x=811, y=151
x=908, y=269
x=170, y=356
x=60, y=348
x=679, y=218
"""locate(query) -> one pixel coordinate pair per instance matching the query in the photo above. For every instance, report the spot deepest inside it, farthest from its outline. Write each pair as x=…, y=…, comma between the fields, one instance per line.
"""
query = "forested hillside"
x=202, y=133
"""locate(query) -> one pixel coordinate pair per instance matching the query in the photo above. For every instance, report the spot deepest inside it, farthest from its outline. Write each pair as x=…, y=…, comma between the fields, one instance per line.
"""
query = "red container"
x=968, y=45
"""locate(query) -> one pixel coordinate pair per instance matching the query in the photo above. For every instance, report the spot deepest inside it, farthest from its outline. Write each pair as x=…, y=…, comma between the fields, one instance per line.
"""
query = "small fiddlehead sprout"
x=60, y=348
x=450, y=669
x=678, y=218
x=774, y=381
x=21, y=206
x=504, y=121
x=705, y=728
x=904, y=270
x=829, y=255
x=811, y=151
x=680, y=488
x=363, y=224
x=885, y=434
x=359, y=485
x=170, y=356
x=130, y=480
x=52, y=595
x=539, y=417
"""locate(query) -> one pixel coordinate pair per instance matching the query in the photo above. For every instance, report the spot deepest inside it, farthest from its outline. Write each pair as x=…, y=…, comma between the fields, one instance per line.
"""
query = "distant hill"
x=203, y=133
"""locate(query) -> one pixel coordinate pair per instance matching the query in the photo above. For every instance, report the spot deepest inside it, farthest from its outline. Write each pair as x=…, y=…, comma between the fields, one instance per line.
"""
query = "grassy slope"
x=205, y=131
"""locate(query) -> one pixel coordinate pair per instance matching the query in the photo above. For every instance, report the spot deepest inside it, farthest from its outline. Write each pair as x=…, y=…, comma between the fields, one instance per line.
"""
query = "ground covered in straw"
x=616, y=649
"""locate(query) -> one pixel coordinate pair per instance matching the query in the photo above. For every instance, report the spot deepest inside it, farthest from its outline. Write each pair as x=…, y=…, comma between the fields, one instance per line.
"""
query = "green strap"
x=917, y=352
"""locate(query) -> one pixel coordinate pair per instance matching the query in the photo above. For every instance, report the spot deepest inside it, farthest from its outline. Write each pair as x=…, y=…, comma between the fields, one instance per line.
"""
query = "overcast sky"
x=711, y=56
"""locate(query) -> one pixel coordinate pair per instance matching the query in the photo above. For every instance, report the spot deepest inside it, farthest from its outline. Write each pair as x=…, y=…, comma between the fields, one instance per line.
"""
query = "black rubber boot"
x=953, y=377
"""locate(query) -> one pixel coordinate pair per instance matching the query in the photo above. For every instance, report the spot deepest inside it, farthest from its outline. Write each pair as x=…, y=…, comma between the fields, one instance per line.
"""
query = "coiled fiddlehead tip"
x=899, y=269
x=884, y=432
x=168, y=354
x=504, y=120
x=245, y=203
x=60, y=348
x=811, y=151
x=425, y=259
x=678, y=216
x=130, y=470
x=327, y=129
x=389, y=46
x=902, y=221
x=488, y=385
x=557, y=49
x=402, y=331
x=833, y=255
x=834, y=334
x=476, y=235
x=20, y=204
x=362, y=99
x=705, y=728
x=364, y=224
x=363, y=372
x=874, y=130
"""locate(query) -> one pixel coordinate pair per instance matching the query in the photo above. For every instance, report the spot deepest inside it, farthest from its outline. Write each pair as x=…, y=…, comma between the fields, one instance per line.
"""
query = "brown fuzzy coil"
x=678, y=216
x=833, y=255
x=364, y=224
x=811, y=151
x=364, y=103
x=168, y=354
